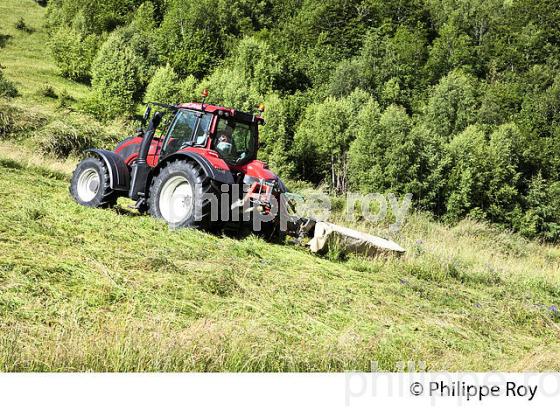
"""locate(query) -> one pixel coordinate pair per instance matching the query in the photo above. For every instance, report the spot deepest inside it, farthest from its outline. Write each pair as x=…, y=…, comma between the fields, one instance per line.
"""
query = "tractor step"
x=140, y=204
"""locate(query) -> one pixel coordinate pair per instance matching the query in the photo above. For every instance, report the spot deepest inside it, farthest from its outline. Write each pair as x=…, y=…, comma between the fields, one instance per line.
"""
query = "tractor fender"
x=119, y=176
x=221, y=176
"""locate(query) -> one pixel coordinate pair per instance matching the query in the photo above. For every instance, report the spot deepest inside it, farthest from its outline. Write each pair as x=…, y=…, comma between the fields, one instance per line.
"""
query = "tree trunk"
x=333, y=174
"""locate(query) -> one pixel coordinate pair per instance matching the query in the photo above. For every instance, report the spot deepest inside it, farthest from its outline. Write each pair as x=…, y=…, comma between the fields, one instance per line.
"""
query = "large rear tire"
x=182, y=195
x=90, y=185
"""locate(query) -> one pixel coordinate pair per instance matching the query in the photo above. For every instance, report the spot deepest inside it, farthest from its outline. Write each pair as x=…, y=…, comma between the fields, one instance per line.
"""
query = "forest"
x=454, y=101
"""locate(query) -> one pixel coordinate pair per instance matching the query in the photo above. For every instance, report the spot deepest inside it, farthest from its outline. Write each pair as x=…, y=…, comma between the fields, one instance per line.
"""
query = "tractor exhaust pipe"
x=140, y=169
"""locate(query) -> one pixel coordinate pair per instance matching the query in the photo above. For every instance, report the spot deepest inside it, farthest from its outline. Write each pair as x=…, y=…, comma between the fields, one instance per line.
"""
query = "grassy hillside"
x=26, y=57
x=46, y=109
x=109, y=290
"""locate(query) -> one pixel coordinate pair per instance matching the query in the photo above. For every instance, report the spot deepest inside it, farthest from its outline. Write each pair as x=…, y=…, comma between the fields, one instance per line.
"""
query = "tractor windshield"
x=187, y=129
x=235, y=141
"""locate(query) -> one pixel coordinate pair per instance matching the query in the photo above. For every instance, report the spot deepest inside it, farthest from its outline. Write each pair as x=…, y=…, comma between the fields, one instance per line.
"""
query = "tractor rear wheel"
x=182, y=195
x=90, y=184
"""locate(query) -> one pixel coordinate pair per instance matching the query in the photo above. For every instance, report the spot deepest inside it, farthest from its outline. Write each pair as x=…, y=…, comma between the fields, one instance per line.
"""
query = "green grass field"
x=110, y=290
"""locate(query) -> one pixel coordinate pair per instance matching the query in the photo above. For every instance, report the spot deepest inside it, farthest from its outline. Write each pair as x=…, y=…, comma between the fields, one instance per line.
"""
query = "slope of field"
x=26, y=57
x=110, y=290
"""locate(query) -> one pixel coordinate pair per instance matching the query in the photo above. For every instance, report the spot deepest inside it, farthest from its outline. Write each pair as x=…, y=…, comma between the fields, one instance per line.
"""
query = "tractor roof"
x=231, y=112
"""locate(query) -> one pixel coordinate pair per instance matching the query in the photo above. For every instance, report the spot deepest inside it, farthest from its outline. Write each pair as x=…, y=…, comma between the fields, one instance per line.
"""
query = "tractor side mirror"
x=147, y=113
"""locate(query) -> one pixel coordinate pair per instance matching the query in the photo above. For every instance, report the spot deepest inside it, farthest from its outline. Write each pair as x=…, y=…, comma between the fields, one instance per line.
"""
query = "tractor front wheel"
x=182, y=195
x=90, y=184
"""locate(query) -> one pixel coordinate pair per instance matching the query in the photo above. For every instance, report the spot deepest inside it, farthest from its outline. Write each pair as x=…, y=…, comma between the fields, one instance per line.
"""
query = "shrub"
x=389, y=60
x=542, y=218
x=539, y=119
x=65, y=99
x=22, y=26
x=274, y=143
x=504, y=151
x=364, y=157
x=4, y=38
x=188, y=88
x=323, y=138
x=469, y=174
x=48, y=91
x=499, y=102
x=16, y=122
x=483, y=178
x=164, y=86
x=115, y=78
x=313, y=141
x=70, y=136
x=142, y=35
x=246, y=77
x=258, y=65
x=229, y=87
x=7, y=120
x=452, y=49
x=387, y=153
x=73, y=52
x=193, y=33
x=453, y=104
x=7, y=88
x=347, y=76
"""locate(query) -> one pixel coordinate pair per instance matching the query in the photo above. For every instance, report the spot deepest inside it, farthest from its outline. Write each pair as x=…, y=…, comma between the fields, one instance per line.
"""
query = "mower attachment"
x=350, y=241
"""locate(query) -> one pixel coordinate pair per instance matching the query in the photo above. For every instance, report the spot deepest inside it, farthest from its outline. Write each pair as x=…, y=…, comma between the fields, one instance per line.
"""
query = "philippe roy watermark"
x=236, y=203
x=410, y=380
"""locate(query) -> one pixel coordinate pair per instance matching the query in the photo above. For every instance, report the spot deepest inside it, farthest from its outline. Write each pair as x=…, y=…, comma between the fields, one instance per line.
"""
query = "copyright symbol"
x=416, y=389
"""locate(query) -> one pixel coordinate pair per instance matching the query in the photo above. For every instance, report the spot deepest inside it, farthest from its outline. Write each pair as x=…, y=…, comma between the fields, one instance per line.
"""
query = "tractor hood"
x=259, y=170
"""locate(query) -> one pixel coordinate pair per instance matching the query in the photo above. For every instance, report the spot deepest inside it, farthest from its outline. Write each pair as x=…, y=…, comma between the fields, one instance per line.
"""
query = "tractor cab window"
x=187, y=129
x=202, y=130
x=235, y=141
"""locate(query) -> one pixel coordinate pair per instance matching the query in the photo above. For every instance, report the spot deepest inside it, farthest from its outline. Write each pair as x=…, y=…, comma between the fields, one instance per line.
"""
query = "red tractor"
x=183, y=175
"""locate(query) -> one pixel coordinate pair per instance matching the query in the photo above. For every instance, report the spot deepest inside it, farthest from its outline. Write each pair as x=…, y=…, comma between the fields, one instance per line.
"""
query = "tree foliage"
x=115, y=77
x=164, y=86
x=455, y=101
x=73, y=52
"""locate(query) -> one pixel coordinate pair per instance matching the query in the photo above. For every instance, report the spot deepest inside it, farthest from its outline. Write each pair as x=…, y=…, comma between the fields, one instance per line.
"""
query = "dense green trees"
x=455, y=101
x=452, y=105
x=385, y=154
x=247, y=76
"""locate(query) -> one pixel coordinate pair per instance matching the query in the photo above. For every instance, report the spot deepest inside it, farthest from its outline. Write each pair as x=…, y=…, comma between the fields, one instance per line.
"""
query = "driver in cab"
x=225, y=144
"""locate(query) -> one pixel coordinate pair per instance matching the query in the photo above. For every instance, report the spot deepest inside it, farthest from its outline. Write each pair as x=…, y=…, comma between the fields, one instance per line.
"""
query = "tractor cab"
x=225, y=133
x=231, y=134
